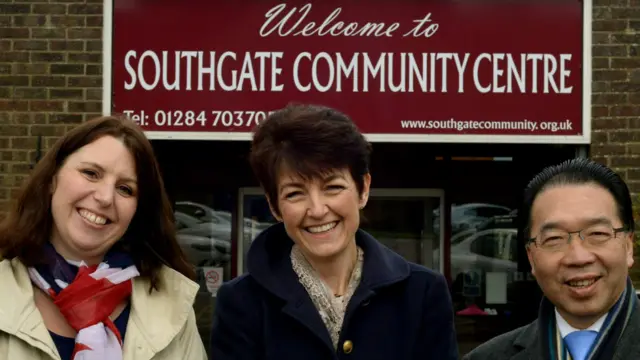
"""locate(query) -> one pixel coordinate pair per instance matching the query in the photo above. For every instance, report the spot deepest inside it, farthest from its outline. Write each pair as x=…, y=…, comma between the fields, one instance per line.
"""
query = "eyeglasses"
x=593, y=237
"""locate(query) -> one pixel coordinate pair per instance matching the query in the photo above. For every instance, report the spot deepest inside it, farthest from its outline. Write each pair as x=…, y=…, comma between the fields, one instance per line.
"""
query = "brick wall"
x=50, y=78
x=616, y=87
x=616, y=93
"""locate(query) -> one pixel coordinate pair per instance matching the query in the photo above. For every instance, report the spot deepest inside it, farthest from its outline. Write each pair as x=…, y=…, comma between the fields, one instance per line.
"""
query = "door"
x=407, y=221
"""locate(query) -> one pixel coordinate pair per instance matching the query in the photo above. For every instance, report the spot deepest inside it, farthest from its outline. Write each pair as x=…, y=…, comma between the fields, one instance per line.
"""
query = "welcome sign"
x=430, y=71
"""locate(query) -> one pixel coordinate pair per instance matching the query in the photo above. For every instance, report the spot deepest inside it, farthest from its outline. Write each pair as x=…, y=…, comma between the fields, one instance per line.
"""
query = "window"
x=497, y=244
x=202, y=212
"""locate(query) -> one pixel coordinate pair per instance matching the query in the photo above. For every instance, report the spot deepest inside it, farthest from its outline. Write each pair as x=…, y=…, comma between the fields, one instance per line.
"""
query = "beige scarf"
x=331, y=308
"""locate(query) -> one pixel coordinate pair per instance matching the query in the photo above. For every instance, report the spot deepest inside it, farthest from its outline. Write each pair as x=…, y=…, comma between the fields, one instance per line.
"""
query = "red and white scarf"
x=87, y=302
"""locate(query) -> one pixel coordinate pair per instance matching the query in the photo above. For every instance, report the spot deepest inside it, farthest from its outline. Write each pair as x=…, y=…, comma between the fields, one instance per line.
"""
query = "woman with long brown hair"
x=91, y=266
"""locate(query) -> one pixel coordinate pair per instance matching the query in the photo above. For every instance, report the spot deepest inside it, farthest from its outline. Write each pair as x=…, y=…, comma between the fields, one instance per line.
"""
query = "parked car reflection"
x=470, y=216
x=491, y=250
x=218, y=221
x=490, y=246
x=205, y=234
x=200, y=244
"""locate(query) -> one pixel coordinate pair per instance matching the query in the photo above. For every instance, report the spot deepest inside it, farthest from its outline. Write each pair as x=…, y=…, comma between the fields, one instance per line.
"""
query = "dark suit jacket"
x=524, y=344
x=400, y=311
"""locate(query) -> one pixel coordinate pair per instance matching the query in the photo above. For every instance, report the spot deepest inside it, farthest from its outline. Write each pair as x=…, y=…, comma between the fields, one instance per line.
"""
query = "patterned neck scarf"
x=86, y=296
x=604, y=346
x=330, y=307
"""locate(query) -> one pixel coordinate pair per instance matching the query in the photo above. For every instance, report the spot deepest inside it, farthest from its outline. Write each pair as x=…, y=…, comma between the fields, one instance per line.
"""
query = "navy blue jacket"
x=400, y=310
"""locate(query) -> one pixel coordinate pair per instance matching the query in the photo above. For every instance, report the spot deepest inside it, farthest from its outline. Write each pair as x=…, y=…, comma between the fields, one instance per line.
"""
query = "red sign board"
x=403, y=70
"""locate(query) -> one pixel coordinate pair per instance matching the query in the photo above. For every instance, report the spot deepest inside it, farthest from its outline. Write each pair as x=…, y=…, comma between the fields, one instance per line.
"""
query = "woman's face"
x=321, y=215
x=94, y=199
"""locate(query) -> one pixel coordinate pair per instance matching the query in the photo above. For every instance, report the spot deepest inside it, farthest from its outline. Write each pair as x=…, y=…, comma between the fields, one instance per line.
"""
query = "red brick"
x=68, y=21
x=67, y=69
x=85, y=106
x=610, y=75
x=16, y=33
x=625, y=136
x=5, y=45
x=625, y=110
x=66, y=45
x=609, y=25
x=65, y=93
x=30, y=20
x=13, y=105
x=46, y=105
x=50, y=9
x=14, y=56
x=14, y=80
x=625, y=63
x=88, y=9
x=31, y=69
x=631, y=161
x=30, y=45
x=47, y=57
x=47, y=130
x=29, y=118
x=610, y=123
x=30, y=93
x=84, y=33
x=7, y=9
x=6, y=21
x=48, y=81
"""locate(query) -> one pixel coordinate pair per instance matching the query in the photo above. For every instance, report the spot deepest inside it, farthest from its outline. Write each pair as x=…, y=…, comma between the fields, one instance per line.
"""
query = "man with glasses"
x=577, y=221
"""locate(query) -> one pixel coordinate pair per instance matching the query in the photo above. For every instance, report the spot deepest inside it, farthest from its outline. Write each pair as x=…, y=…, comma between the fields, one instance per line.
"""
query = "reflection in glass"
x=406, y=225
x=204, y=234
x=256, y=218
x=484, y=267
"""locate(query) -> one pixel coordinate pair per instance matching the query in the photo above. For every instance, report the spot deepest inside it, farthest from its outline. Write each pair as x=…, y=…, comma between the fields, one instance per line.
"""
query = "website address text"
x=464, y=125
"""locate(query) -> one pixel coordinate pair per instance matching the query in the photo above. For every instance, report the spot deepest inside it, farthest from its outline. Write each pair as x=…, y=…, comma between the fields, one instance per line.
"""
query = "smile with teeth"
x=321, y=228
x=582, y=283
x=92, y=218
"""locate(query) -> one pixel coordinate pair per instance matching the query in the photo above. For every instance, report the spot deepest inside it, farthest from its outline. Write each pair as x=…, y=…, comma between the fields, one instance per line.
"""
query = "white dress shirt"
x=566, y=329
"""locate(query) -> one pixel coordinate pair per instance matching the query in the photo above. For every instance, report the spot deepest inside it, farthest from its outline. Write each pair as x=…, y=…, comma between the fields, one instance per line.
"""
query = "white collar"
x=566, y=329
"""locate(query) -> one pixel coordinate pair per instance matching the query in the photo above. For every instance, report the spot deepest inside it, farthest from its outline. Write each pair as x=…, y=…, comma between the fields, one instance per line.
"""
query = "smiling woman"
x=90, y=244
x=94, y=199
x=317, y=285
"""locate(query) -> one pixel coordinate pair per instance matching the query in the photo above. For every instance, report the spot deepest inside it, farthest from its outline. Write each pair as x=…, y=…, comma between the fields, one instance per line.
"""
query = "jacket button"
x=347, y=347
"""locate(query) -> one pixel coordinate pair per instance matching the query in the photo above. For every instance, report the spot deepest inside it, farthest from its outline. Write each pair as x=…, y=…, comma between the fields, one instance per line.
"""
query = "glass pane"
x=484, y=267
x=256, y=218
x=408, y=225
x=203, y=229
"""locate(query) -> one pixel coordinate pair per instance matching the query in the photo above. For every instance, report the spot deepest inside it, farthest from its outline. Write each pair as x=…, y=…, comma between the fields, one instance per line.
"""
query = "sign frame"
x=584, y=139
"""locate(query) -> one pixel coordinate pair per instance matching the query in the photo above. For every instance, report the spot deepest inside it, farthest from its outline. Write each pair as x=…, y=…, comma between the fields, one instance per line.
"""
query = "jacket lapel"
x=158, y=317
x=527, y=343
x=18, y=313
x=304, y=311
x=269, y=263
x=147, y=332
x=629, y=347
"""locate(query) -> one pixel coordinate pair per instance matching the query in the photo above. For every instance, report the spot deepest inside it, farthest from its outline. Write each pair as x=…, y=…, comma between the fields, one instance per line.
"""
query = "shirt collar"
x=566, y=329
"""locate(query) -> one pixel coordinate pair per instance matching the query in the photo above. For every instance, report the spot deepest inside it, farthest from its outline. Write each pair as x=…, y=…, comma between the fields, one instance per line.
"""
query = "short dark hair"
x=310, y=140
x=150, y=238
x=578, y=172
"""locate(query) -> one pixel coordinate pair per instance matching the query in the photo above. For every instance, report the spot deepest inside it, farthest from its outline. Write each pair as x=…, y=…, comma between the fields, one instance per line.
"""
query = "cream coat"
x=162, y=325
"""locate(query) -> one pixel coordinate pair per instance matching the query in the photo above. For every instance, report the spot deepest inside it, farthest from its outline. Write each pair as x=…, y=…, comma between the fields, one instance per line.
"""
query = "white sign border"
x=585, y=138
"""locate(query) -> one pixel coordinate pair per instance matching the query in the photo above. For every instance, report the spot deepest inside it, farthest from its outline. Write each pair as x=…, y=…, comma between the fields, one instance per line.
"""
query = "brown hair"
x=150, y=238
x=310, y=140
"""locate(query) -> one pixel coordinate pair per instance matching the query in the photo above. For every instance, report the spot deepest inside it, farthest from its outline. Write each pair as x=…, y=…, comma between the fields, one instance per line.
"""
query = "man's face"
x=583, y=281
